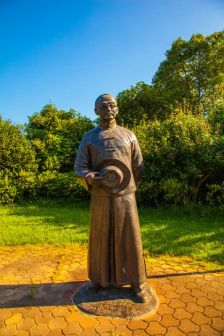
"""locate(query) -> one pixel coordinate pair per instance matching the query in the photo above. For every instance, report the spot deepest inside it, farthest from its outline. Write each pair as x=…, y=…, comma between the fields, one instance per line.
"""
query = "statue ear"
x=96, y=110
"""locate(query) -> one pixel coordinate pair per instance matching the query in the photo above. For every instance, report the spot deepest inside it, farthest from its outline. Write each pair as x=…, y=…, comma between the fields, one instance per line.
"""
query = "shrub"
x=181, y=156
x=55, y=184
x=8, y=190
x=55, y=136
x=17, y=164
x=215, y=195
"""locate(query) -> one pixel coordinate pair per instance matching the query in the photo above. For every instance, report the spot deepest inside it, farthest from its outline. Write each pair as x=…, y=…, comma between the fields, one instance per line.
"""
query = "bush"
x=17, y=164
x=55, y=184
x=55, y=136
x=181, y=156
x=215, y=195
x=53, y=139
x=175, y=191
x=8, y=190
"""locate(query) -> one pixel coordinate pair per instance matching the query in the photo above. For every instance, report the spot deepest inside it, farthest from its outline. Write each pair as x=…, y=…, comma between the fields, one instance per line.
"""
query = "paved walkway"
x=37, y=282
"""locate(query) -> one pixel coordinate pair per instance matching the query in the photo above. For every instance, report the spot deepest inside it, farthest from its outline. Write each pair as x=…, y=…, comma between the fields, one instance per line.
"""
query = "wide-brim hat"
x=116, y=175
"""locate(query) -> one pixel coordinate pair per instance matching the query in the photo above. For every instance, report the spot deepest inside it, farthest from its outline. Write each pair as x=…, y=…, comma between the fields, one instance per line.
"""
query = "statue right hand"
x=93, y=177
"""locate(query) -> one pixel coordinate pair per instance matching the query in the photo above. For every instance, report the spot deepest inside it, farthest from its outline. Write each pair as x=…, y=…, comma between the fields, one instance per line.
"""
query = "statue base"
x=116, y=302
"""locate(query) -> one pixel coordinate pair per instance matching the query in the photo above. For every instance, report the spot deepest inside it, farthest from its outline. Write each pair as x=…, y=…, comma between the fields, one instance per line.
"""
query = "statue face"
x=107, y=108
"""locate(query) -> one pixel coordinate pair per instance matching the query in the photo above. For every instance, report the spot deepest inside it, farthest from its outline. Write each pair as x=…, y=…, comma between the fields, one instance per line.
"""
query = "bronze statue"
x=109, y=164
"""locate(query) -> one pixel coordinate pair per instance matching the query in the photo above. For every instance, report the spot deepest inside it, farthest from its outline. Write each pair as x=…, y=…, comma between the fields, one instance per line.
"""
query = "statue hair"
x=100, y=98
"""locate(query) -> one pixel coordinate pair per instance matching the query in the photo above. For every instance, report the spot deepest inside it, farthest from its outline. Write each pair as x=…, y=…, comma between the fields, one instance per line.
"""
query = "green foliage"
x=215, y=195
x=179, y=121
x=56, y=184
x=193, y=71
x=175, y=190
x=216, y=119
x=8, y=190
x=17, y=164
x=181, y=155
x=55, y=136
x=190, y=78
x=139, y=104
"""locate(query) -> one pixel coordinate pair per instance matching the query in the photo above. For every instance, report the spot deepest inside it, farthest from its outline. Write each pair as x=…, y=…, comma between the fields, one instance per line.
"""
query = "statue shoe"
x=141, y=297
x=140, y=294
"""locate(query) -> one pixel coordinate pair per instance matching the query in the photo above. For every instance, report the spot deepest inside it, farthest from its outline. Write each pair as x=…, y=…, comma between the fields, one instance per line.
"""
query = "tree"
x=139, y=104
x=216, y=119
x=17, y=164
x=182, y=157
x=55, y=136
x=193, y=71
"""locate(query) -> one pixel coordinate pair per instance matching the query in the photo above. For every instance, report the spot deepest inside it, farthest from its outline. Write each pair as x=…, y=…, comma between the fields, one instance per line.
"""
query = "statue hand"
x=93, y=178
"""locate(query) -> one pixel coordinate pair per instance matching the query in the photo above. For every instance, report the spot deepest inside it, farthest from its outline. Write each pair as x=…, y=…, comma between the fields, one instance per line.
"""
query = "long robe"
x=115, y=255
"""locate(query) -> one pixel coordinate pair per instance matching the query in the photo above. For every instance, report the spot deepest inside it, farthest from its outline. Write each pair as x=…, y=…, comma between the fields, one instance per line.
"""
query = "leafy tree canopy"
x=182, y=155
x=194, y=71
x=55, y=135
x=139, y=104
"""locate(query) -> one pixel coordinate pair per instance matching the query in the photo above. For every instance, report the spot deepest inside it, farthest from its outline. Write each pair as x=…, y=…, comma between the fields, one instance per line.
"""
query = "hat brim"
x=126, y=175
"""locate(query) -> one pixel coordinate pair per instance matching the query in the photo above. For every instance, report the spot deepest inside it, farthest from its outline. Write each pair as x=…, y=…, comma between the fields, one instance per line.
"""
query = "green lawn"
x=191, y=231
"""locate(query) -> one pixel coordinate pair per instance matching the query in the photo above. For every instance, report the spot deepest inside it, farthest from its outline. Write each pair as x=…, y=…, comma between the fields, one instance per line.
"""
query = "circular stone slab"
x=116, y=302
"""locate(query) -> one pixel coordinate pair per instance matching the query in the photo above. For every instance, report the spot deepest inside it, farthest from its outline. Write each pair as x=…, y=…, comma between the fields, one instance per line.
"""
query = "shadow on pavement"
x=49, y=294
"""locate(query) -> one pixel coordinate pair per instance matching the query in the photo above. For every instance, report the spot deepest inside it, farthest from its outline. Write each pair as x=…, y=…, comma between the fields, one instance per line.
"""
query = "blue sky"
x=68, y=52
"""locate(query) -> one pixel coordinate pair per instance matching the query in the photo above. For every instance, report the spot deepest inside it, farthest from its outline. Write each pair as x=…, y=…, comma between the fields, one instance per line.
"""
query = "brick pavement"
x=37, y=282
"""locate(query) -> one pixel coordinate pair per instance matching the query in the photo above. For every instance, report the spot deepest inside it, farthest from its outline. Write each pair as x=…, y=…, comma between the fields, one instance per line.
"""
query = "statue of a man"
x=109, y=164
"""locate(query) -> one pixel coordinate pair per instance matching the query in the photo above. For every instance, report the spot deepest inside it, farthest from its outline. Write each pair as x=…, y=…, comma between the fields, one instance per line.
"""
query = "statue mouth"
x=109, y=116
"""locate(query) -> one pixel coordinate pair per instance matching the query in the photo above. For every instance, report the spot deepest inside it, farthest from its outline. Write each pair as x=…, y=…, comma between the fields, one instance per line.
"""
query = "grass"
x=188, y=231
x=194, y=231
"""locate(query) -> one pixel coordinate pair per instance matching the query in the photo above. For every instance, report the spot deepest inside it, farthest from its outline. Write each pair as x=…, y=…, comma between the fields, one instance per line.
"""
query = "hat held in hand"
x=115, y=175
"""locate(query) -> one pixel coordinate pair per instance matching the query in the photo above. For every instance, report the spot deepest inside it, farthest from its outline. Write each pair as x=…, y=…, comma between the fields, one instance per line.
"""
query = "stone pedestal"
x=116, y=302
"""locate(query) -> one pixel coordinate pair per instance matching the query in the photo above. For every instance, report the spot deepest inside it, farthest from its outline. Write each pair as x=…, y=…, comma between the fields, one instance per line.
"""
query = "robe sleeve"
x=137, y=162
x=82, y=163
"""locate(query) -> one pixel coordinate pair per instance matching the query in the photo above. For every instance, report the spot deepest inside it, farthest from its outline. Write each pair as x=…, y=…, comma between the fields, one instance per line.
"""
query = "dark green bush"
x=17, y=164
x=56, y=184
x=55, y=136
x=182, y=155
x=215, y=195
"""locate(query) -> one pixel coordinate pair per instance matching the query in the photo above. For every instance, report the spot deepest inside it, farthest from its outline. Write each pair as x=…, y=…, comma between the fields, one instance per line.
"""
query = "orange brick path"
x=37, y=282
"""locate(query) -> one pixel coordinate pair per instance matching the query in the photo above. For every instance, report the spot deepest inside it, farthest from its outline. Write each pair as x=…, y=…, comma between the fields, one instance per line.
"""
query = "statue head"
x=106, y=107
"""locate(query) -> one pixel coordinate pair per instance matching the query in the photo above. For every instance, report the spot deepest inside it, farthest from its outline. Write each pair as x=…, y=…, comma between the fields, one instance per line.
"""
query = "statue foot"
x=140, y=294
x=141, y=297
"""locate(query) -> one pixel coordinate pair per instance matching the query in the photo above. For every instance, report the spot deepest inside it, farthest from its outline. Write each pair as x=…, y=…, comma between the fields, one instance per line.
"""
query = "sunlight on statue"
x=110, y=166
